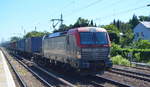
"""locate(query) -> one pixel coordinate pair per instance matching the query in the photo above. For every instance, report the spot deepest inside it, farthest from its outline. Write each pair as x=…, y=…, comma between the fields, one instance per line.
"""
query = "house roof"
x=146, y=24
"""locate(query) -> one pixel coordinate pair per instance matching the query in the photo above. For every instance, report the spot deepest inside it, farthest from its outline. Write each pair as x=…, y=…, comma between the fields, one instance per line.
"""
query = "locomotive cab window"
x=93, y=38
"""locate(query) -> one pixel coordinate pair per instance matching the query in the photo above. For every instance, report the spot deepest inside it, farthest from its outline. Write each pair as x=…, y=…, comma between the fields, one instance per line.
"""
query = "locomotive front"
x=93, y=49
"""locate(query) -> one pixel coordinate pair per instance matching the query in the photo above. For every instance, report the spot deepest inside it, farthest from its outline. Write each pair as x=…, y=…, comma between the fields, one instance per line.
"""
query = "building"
x=142, y=31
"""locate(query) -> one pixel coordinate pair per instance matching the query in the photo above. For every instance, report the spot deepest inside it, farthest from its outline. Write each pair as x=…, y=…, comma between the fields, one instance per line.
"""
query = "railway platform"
x=6, y=79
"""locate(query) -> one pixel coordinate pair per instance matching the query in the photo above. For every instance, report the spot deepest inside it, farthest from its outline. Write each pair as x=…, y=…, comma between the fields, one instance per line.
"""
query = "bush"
x=148, y=62
x=114, y=49
x=142, y=44
x=137, y=57
x=119, y=60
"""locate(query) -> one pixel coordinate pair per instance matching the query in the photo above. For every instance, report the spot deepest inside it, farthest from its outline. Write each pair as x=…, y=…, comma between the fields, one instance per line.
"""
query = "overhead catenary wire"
x=60, y=19
x=91, y=4
x=96, y=2
x=65, y=7
x=84, y=7
x=121, y=12
x=111, y=4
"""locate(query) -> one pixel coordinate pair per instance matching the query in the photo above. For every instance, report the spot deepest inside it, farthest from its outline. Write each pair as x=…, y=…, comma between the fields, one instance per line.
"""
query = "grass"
x=148, y=62
x=119, y=60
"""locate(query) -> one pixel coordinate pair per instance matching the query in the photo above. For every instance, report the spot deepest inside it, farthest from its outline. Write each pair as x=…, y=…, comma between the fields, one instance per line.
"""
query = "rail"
x=113, y=81
x=137, y=73
x=130, y=75
x=46, y=72
x=19, y=79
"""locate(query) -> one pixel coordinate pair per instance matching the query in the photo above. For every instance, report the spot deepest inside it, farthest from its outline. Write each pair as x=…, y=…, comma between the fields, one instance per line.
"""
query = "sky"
x=17, y=17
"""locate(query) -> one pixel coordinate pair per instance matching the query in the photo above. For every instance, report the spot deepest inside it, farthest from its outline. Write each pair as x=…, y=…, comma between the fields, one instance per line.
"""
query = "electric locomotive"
x=85, y=49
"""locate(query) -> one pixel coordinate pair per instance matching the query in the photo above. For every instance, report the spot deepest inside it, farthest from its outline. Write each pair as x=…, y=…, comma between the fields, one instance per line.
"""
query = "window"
x=91, y=38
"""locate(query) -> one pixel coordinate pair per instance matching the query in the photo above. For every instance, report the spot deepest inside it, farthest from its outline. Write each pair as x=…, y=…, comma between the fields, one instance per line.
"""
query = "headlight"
x=78, y=55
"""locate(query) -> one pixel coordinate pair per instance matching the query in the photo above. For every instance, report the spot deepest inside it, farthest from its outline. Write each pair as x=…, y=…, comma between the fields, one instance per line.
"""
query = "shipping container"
x=21, y=45
x=33, y=44
x=13, y=45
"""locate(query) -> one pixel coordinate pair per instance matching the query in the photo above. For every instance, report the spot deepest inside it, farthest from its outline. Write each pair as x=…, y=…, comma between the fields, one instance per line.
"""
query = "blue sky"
x=19, y=15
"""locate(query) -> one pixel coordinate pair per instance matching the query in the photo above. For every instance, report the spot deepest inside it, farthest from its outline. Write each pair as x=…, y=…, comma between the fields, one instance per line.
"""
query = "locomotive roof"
x=91, y=29
x=80, y=29
x=56, y=34
x=88, y=29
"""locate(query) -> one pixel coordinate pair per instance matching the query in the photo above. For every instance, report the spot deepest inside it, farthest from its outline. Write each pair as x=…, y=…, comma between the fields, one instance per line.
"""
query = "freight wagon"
x=33, y=44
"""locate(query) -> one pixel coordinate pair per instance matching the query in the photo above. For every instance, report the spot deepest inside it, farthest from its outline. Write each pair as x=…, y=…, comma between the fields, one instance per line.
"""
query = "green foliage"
x=62, y=28
x=114, y=37
x=113, y=32
x=111, y=28
x=35, y=34
x=91, y=23
x=134, y=21
x=127, y=38
x=148, y=62
x=114, y=48
x=142, y=44
x=81, y=22
x=137, y=57
x=123, y=27
x=15, y=38
x=144, y=18
x=119, y=60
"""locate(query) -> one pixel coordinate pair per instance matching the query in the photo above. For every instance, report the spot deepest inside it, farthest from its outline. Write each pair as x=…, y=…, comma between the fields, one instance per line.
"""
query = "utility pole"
x=24, y=31
x=55, y=22
x=35, y=28
x=61, y=19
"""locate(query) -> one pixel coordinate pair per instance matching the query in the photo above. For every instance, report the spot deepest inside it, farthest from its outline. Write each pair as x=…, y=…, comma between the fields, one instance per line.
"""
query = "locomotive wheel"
x=41, y=62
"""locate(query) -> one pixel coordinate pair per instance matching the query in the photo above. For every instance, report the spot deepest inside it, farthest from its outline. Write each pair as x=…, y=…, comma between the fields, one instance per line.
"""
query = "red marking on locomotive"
x=76, y=32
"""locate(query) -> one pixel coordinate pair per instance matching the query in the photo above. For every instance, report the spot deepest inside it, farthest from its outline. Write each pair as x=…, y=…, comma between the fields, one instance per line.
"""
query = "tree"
x=91, y=23
x=113, y=33
x=142, y=44
x=118, y=25
x=14, y=38
x=35, y=34
x=81, y=22
x=62, y=28
x=127, y=38
x=111, y=28
x=144, y=18
x=134, y=21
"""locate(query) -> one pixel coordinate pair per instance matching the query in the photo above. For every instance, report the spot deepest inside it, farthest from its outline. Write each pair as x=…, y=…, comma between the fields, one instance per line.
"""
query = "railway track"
x=106, y=80
x=18, y=77
x=136, y=75
x=137, y=67
x=95, y=83
x=141, y=64
x=46, y=74
x=142, y=68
